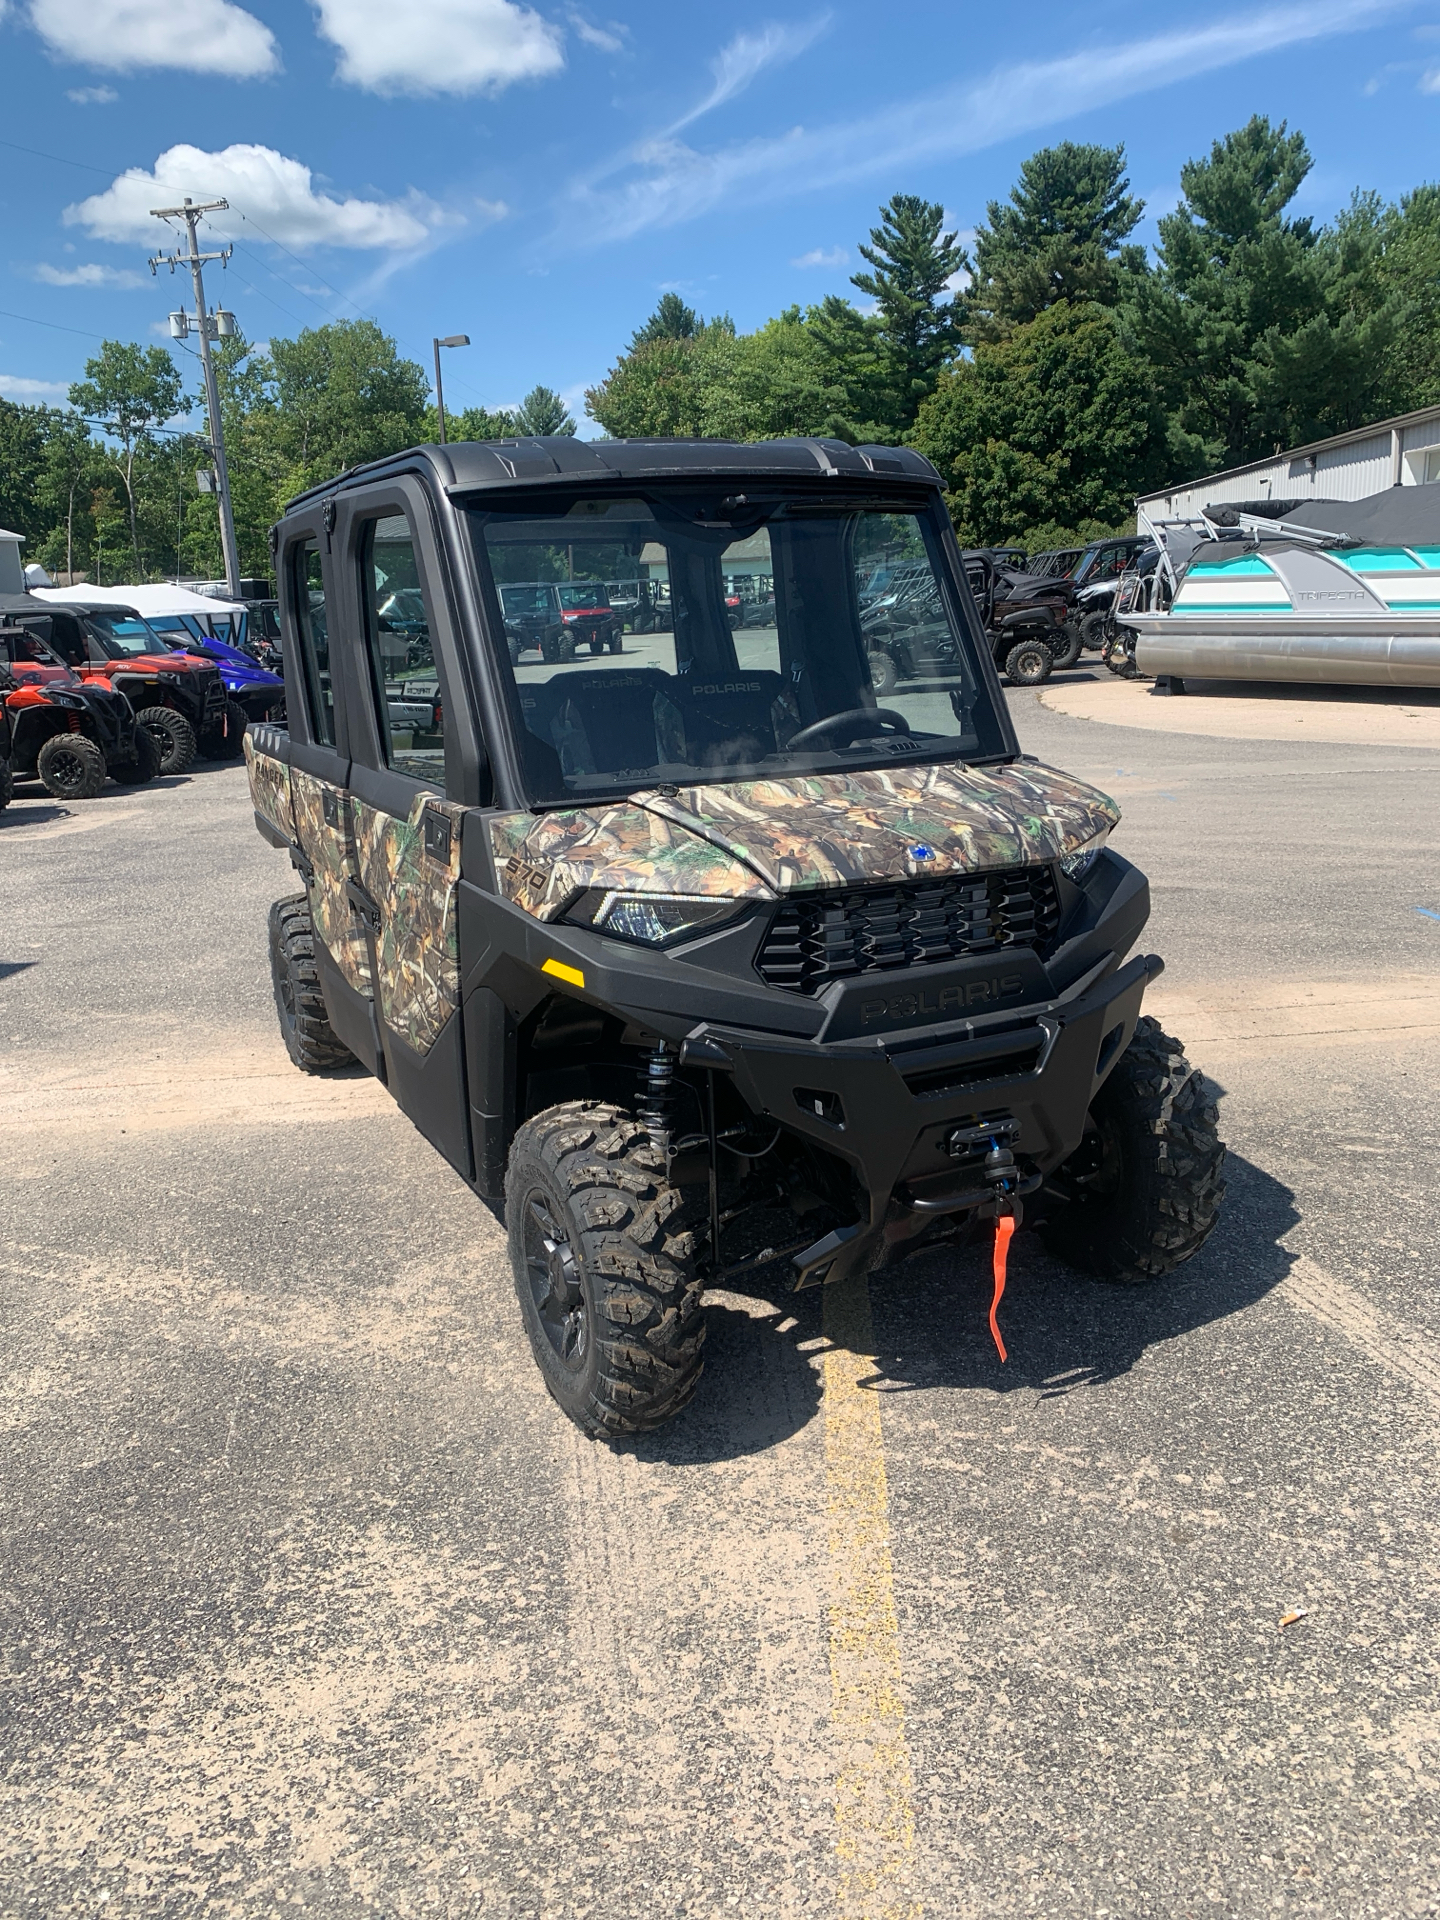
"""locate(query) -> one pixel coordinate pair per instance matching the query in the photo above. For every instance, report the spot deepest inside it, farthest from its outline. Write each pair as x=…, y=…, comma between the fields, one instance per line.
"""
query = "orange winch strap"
x=1004, y=1227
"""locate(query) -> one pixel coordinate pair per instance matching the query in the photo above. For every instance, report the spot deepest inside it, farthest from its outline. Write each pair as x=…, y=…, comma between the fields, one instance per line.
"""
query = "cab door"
x=407, y=786
x=319, y=760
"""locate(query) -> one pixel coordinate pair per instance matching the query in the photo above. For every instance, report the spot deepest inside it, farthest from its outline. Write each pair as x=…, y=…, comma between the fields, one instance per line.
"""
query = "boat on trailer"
x=1337, y=592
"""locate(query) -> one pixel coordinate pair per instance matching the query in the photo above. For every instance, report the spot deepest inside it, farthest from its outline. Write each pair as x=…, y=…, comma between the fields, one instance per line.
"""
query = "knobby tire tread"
x=637, y=1239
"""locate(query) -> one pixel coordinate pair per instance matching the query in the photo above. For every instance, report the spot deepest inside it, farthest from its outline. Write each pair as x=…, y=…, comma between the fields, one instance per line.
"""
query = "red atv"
x=178, y=698
x=62, y=731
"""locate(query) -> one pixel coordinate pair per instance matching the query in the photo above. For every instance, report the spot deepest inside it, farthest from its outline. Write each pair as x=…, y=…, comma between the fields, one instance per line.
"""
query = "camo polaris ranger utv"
x=704, y=961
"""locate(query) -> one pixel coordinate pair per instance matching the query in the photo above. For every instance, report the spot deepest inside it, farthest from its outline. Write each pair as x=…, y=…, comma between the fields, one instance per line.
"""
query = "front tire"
x=71, y=767
x=146, y=764
x=173, y=735
x=305, y=1027
x=883, y=676
x=218, y=744
x=1029, y=663
x=603, y=1252
x=1142, y=1191
x=7, y=785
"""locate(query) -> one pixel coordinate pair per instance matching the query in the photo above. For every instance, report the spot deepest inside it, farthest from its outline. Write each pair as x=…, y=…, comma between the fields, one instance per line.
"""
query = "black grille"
x=820, y=937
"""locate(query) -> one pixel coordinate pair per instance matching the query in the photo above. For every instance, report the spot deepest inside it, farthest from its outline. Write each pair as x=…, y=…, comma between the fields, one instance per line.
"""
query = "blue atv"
x=252, y=692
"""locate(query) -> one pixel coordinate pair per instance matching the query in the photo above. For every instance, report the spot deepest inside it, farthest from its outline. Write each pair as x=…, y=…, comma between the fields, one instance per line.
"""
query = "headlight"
x=1079, y=861
x=651, y=918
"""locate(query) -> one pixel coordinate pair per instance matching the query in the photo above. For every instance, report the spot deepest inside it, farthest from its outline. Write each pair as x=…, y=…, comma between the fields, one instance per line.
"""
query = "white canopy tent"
x=166, y=607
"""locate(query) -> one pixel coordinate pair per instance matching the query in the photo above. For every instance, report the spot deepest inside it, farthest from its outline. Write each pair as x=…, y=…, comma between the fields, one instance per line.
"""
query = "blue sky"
x=535, y=177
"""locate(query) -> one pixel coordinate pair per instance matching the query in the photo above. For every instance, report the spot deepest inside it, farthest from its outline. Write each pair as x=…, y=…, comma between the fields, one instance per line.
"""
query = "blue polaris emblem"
x=922, y=853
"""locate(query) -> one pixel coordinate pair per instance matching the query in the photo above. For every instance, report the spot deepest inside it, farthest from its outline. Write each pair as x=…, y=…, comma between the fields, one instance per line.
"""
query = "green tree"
x=342, y=396
x=1061, y=237
x=1053, y=428
x=912, y=263
x=1407, y=274
x=70, y=459
x=472, y=423
x=542, y=411
x=671, y=320
x=656, y=390
x=1260, y=331
x=23, y=432
x=129, y=391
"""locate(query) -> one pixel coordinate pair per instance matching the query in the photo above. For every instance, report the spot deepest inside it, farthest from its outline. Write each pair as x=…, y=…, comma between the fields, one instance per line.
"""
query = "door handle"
x=362, y=904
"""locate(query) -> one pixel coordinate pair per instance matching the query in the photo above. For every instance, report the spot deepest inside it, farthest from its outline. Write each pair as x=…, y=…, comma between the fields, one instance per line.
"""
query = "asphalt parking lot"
x=311, y=1600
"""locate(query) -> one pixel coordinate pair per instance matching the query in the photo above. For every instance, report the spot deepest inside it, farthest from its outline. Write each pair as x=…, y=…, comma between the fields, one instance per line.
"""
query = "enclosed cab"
x=707, y=960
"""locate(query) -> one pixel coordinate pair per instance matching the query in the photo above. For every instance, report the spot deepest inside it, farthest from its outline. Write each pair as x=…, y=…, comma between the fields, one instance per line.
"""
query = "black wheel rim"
x=67, y=770
x=1093, y=1173
x=554, y=1276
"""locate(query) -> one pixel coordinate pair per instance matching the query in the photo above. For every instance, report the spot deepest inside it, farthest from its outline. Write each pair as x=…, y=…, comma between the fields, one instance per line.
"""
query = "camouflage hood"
x=764, y=838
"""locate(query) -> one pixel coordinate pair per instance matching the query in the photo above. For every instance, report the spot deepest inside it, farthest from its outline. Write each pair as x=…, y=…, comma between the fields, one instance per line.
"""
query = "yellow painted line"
x=562, y=972
x=874, y=1811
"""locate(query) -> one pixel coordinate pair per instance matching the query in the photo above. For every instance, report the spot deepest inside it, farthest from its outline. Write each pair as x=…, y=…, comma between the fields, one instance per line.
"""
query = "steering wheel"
x=861, y=721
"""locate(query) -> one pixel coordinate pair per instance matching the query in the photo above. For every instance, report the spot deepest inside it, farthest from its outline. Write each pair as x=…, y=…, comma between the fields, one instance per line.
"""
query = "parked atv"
x=1026, y=617
x=178, y=698
x=590, y=620
x=698, y=970
x=64, y=733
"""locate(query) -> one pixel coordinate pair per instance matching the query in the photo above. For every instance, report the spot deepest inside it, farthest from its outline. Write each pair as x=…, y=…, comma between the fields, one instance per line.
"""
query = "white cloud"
x=34, y=392
x=608, y=42
x=439, y=46
x=277, y=193
x=823, y=257
x=747, y=56
x=92, y=274
x=1430, y=82
x=197, y=36
x=662, y=181
x=92, y=96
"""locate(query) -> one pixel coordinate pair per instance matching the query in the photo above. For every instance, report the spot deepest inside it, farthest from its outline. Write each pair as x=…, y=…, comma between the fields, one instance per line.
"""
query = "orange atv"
x=179, y=698
x=61, y=731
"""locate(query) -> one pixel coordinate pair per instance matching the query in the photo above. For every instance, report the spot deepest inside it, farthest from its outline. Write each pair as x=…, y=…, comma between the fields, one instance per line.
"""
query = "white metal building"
x=1403, y=452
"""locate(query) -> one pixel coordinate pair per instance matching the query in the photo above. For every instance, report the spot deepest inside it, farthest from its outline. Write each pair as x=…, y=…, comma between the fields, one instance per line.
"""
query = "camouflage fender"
x=269, y=787
x=419, y=947
x=762, y=838
x=327, y=848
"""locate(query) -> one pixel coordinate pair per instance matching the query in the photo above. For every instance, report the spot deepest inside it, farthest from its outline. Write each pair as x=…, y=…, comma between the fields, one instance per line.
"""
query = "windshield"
x=518, y=601
x=762, y=639
x=586, y=594
x=123, y=635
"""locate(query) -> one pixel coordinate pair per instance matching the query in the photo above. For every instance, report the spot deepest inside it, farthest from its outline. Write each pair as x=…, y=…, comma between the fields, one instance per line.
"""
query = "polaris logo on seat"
x=729, y=686
x=915, y=1006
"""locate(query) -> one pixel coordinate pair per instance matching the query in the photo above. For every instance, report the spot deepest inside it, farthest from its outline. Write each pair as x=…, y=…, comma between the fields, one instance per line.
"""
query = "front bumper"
x=888, y=1104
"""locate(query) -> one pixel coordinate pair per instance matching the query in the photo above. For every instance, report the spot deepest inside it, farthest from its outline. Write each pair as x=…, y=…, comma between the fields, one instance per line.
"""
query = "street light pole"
x=450, y=340
x=190, y=214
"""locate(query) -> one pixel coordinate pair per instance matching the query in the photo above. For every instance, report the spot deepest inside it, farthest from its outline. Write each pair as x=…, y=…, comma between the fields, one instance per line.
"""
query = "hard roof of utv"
x=473, y=465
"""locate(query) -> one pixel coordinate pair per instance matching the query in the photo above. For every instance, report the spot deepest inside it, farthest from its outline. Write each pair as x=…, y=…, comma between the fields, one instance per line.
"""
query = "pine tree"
x=1061, y=238
x=913, y=264
x=542, y=411
x=671, y=320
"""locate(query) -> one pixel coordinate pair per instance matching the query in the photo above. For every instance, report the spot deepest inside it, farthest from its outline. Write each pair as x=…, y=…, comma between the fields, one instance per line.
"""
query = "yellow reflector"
x=561, y=972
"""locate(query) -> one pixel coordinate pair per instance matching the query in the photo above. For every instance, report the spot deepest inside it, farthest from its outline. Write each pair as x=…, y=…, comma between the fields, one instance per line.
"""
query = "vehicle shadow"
x=1065, y=1333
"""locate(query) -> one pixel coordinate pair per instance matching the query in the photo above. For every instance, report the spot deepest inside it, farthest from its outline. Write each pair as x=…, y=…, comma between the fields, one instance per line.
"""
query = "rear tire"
x=7, y=785
x=71, y=767
x=304, y=1023
x=215, y=744
x=173, y=735
x=146, y=764
x=1142, y=1192
x=603, y=1252
x=1092, y=631
x=1068, y=653
x=1029, y=663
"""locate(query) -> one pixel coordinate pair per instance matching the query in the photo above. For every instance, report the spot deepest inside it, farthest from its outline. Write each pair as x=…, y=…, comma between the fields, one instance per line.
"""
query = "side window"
x=312, y=627
x=404, y=679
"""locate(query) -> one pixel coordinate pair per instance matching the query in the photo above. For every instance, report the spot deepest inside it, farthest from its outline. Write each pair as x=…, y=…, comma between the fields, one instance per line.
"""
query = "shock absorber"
x=657, y=1095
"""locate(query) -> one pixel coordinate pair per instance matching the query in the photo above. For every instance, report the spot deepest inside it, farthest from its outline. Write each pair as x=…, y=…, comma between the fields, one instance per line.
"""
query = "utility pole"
x=208, y=326
x=451, y=340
